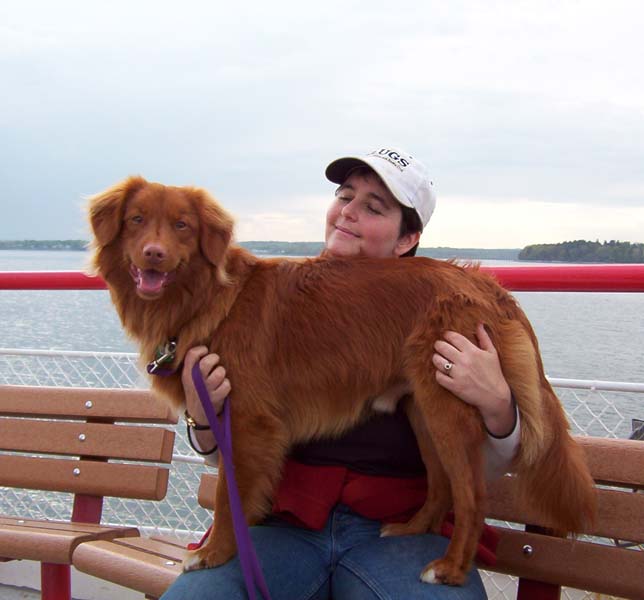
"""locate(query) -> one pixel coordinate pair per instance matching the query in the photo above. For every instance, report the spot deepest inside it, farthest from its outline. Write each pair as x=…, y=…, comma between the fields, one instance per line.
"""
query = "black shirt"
x=384, y=445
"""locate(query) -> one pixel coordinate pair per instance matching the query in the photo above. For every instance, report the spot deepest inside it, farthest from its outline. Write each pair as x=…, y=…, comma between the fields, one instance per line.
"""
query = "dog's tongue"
x=151, y=281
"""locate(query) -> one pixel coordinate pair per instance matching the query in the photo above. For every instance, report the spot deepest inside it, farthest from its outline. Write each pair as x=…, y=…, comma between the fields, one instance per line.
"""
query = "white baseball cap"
x=405, y=177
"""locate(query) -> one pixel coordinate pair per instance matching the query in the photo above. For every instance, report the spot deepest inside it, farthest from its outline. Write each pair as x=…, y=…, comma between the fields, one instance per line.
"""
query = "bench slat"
x=207, y=489
x=106, y=404
x=51, y=541
x=142, y=567
x=614, y=461
x=95, y=478
x=105, y=440
x=581, y=565
x=618, y=515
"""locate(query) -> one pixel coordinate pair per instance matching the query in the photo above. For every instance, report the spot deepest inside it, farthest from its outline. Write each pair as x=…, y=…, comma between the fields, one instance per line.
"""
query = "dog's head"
x=158, y=233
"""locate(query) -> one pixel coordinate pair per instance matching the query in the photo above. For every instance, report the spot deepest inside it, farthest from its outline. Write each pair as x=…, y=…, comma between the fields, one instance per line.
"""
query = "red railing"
x=551, y=278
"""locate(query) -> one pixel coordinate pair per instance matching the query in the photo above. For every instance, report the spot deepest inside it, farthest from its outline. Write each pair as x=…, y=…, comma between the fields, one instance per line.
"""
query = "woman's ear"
x=107, y=208
x=215, y=231
x=406, y=242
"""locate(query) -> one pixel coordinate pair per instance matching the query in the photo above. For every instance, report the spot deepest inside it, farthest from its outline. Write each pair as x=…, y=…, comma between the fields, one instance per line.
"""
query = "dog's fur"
x=307, y=343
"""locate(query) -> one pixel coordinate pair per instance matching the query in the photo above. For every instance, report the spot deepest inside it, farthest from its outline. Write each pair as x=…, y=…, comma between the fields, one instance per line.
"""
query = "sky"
x=528, y=114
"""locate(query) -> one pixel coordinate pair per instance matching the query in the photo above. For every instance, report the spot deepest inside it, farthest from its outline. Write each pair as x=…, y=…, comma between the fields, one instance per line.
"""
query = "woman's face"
x=364, y=220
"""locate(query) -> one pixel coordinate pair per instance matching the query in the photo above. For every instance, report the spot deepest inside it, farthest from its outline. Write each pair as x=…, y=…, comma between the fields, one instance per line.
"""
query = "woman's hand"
x=475, y=376
x=218, y=386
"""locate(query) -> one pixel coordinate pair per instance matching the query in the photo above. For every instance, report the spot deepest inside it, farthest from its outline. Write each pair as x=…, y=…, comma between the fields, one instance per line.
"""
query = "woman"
x=323, y=539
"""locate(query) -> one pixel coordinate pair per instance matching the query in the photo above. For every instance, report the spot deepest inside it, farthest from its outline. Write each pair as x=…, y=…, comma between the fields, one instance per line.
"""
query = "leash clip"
x=165, y=354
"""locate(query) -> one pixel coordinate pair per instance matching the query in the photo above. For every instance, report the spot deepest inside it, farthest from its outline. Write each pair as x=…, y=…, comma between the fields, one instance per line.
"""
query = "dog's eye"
x=138, y=219
x=180, y=225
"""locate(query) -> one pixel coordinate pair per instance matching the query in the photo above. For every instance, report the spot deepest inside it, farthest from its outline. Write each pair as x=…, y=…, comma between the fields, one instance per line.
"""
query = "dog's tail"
x=557, y=482
x=551, y=467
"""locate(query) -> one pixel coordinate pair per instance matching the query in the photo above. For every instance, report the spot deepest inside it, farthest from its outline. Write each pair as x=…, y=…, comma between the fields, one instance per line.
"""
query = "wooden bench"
x=541, y=562
x=62, y=440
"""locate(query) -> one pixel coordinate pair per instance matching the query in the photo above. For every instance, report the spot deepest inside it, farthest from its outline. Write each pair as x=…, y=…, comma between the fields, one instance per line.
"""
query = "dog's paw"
x=206, y=557
x=429, y=576
x=193, y=561
x=443, y=571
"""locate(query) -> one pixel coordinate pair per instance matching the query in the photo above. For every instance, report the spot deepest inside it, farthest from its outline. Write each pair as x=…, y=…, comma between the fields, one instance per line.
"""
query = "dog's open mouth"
x=150, y=282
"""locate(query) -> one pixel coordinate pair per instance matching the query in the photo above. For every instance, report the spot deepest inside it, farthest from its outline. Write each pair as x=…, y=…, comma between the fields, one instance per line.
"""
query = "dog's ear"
x=215, y=231
x=106, y=209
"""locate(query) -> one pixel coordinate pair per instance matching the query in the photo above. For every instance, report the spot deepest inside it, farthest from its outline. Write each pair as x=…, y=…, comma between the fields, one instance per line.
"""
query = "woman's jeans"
x=347, y=560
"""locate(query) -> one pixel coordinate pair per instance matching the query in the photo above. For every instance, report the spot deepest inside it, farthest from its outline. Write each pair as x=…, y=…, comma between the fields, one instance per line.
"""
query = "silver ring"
x=448, y=366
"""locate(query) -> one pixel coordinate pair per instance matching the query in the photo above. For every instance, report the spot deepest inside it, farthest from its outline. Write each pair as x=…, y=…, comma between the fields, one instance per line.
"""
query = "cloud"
x=300, y=220
x=481, y=222
x=531, y=100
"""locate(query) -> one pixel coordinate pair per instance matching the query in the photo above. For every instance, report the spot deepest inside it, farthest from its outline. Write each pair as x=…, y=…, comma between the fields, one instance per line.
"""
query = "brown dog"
x=307, y=343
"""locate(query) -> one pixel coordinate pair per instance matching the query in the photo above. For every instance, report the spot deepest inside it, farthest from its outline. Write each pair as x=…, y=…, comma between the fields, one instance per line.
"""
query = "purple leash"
x=250, y=567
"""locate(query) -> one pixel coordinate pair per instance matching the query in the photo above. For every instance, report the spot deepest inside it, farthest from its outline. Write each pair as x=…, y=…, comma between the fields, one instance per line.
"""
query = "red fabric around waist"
x=307, y=494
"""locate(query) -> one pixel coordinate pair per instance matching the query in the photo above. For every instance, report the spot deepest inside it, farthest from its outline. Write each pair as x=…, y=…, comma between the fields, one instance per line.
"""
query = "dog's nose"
x=154, y=253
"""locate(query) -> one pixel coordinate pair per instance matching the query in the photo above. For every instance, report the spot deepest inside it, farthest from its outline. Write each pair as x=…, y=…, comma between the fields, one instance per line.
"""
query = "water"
x=581, y=335
x=57, y=320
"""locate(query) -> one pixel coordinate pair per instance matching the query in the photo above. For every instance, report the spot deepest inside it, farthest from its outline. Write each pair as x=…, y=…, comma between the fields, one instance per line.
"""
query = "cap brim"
x=338, y=170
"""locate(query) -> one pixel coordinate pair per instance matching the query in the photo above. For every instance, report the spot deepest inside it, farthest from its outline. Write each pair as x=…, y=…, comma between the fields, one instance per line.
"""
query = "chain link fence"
x=604, y=409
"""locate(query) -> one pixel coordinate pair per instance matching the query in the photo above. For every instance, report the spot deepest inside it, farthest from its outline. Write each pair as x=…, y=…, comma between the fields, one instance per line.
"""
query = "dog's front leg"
x=220, y=546
x=259, y=452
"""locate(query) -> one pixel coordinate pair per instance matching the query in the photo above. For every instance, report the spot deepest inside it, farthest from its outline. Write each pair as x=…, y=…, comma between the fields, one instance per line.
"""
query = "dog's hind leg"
x=458, y=436
x=457, y=433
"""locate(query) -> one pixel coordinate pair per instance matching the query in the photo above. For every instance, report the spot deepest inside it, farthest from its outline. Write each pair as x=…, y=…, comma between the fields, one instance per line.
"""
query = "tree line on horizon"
x=584, y=251
x=574, y=251
x=275, y=248
x=43, y=244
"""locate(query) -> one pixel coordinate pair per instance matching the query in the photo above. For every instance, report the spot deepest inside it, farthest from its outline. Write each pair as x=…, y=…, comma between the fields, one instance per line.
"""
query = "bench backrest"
x=64, y=439
x=609, y=562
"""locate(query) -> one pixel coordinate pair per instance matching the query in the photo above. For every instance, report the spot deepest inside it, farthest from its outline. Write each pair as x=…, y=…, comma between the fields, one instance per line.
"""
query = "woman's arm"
x=218, y=387
x=500, y=451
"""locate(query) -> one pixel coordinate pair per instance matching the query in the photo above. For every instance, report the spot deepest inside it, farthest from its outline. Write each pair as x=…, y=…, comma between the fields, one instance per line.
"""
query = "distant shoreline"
x=275, y=248
x=43, y=245
x=587, y=252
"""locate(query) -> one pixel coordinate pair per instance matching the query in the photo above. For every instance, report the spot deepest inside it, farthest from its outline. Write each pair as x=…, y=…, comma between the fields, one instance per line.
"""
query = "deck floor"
x=20, y=580
x=15, y=593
